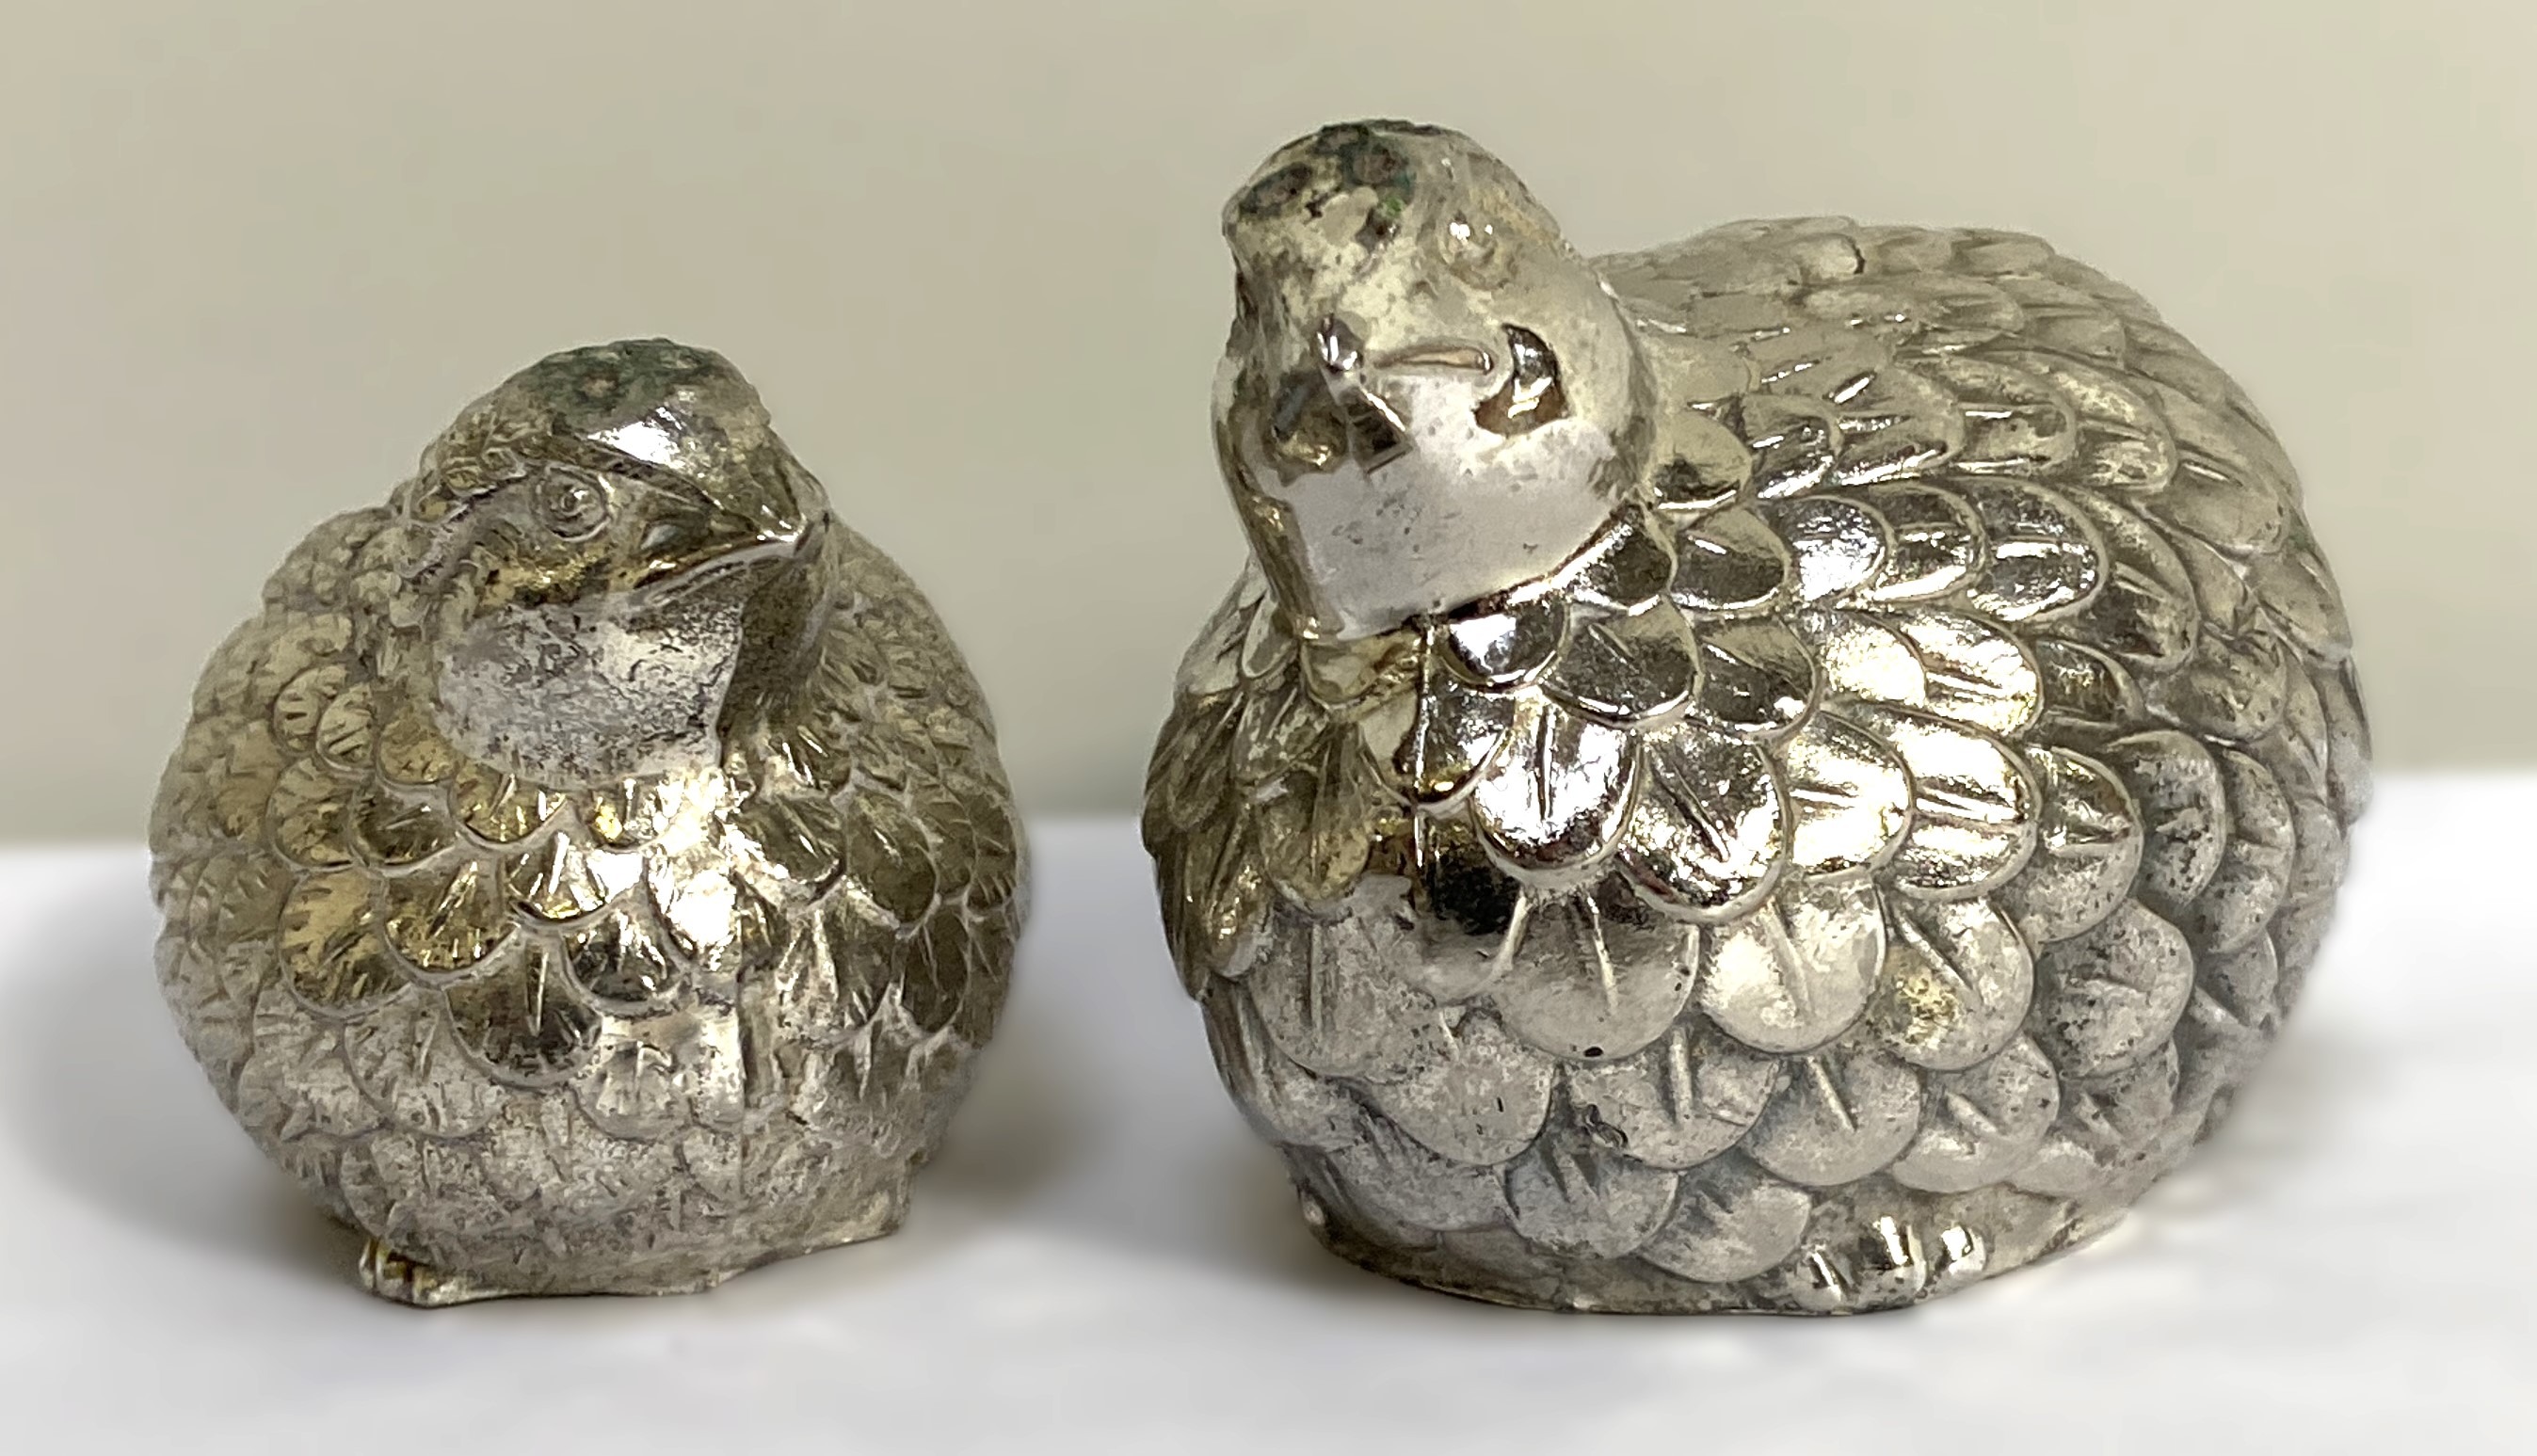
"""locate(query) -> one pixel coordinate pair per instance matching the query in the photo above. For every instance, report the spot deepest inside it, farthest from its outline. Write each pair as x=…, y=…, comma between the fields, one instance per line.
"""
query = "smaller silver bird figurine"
x=591, y=871
x=1791, y=771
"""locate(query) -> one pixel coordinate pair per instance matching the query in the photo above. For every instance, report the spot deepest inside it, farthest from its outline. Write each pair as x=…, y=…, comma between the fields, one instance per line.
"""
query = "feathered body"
x=1865, y=864
x=567, y=938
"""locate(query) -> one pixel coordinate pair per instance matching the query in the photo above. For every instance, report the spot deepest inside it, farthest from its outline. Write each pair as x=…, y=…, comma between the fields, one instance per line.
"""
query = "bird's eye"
x=573, y=506
x=1471, y=250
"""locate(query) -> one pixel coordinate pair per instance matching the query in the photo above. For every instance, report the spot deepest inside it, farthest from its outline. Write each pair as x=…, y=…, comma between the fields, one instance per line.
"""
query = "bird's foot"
x=878, y=1217
x=1887, y=1263
x=392, y=1276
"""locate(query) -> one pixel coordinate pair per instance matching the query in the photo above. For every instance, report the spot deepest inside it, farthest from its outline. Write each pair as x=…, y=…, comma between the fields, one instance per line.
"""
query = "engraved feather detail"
x=1886, y=845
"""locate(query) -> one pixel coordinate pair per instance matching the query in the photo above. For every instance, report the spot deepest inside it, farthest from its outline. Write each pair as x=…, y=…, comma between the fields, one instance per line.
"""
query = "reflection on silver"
x=591, y=871
x=1844, y=762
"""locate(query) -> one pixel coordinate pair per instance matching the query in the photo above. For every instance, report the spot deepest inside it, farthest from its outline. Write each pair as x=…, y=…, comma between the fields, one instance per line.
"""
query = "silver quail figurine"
x=1791, y=771
x=591, y=871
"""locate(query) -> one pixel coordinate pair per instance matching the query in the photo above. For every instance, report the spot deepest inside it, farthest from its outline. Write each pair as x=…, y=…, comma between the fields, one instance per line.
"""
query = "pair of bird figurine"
x=1789, y=771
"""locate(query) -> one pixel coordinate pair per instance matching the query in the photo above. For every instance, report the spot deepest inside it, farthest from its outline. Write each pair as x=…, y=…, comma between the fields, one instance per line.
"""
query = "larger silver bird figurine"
x=591, y=871
x=1791, y=771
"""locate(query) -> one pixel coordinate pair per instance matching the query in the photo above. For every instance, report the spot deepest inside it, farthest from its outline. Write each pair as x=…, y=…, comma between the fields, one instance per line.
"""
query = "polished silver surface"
x=591, y=871
x=1789, y=771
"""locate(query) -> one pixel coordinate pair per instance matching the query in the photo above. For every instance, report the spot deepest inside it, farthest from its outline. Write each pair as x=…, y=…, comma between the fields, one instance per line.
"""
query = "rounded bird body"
x=591, y=871
x=1872, y=849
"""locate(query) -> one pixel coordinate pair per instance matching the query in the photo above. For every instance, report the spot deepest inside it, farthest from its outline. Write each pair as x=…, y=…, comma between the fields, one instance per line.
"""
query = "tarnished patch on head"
x=644, y=403
x=1307, y=176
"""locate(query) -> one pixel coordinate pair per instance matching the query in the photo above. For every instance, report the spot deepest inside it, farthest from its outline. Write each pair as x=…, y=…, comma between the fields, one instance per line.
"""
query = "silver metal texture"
x=591, y=871
x=1787, y=772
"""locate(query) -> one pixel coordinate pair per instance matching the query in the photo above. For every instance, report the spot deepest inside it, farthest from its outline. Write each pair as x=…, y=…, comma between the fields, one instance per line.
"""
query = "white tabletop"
x=1103, y=1262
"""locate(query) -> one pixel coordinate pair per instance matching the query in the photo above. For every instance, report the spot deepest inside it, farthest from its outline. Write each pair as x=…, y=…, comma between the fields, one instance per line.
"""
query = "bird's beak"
x=765, y=503
x=1376, y=432
x=710, y=535
x=1364, y=382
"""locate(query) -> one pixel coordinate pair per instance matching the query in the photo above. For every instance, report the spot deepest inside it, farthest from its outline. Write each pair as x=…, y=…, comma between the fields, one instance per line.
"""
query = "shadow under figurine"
x=1787, y=772
x=592, y=871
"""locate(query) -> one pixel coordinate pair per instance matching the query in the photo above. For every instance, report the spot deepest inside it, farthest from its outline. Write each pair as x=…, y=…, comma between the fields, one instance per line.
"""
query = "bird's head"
x=1428, y=396
x=607, y=539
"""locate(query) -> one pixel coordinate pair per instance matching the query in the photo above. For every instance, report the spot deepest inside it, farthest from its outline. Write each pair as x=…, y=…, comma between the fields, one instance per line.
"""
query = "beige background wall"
x=253, y=255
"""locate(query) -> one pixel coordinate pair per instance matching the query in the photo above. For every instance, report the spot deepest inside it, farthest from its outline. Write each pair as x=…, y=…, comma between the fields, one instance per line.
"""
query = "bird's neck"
x=570, y=698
